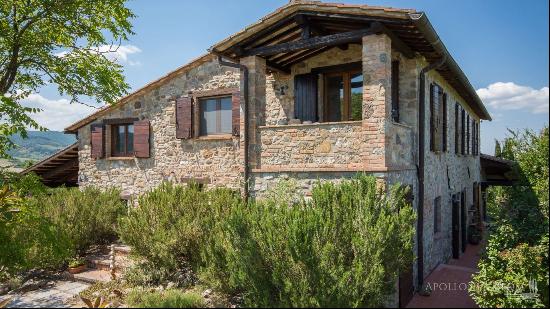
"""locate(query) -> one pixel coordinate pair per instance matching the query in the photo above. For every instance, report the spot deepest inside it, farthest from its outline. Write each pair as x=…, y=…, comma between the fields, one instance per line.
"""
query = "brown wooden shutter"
x=468, y=134
x=184, y=118
x=236, y=113
x=305, y=97
x=457, y=129
x=444, y=120
x=141, y=139
x=432, y=118
x=463, y=131
x=97, y=141
x=395, y=91
x=474, y=124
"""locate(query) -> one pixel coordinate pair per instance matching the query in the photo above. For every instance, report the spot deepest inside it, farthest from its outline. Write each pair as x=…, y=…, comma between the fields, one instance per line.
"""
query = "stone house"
x=313, y=91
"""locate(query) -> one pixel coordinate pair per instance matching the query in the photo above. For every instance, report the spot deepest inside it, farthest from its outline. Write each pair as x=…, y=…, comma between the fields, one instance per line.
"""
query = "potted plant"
x=77, y=265
x=474, y=236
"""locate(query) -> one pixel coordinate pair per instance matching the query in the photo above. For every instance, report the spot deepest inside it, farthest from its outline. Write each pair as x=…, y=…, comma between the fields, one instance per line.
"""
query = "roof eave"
x=73, y=128
x=423, y=24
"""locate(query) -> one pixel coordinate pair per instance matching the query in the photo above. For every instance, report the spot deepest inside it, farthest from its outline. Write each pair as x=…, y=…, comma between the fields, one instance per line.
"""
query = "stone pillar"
x=376, y=98
x=256, y=105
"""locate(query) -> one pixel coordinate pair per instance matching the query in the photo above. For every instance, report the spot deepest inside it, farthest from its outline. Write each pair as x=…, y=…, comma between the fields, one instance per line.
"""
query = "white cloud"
x=56, y=114
x=115, y=53
x=509, y=96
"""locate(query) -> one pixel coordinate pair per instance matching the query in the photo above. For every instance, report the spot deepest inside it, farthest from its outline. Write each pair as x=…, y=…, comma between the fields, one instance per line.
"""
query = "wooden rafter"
x=312, y=43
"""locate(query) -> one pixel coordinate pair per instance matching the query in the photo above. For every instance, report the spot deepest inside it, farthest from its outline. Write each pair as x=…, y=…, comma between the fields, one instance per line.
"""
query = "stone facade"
x=171, y=159
x=306, y=153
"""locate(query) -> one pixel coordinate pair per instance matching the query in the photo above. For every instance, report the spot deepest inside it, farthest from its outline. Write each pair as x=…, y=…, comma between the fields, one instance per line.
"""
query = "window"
x=343, y=96
x=215, y=116
x=457, y=129
x=438, y=119
x=122, y=140
x=463, y=131
x=468, y=137
x=437, y=215
x=444, y=120
x=395, y=91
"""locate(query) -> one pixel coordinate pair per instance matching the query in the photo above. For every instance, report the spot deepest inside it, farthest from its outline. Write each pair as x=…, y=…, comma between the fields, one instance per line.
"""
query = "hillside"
x=39, y=145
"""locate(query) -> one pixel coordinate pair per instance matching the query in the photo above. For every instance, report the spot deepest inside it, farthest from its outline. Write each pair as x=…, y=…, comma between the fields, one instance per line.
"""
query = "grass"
x=140, y=298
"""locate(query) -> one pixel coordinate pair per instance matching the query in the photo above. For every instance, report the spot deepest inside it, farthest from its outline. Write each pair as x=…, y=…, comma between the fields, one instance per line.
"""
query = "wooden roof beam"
x=313, y=43
x=396, y=42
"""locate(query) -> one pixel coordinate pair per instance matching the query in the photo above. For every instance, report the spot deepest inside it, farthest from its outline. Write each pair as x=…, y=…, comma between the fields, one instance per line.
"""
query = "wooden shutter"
x=435, y=118
x=474, y=137
x=305, y=97
x=97, y=141
x=468, y=134
x=141, y=139
x=236, y=113
x=463, y=131
x=432, y=118
x=457, y=129
x=184, y=118
x=444, y=121
x=395, y=91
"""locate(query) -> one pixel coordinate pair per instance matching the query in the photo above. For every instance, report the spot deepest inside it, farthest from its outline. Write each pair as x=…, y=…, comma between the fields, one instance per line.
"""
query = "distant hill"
x=39, y=145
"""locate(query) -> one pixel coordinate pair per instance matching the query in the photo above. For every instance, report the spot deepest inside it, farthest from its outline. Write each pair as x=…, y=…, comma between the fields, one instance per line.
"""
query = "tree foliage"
x=60, y=42
x=516, y=258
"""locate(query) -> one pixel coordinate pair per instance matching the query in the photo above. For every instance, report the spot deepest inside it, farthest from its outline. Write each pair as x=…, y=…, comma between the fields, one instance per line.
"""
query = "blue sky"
x=502, y=46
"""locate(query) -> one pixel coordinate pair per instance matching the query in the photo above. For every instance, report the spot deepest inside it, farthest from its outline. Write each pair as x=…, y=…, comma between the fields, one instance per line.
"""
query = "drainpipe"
x=421, y=161
x=423, y=24
x=244, y=69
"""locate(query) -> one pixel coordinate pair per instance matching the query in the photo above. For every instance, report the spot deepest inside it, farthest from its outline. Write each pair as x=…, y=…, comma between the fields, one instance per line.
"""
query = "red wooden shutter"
x=184, y=118
x=236, y=113
x=97, y=141
x=141, y=139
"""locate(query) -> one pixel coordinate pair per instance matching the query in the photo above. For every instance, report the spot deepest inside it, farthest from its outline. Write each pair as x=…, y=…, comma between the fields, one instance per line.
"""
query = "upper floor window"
x=395, y=91
x=215, y=115
x=122, y=140
x=457, y=129
x=343, y=96
x=438, y=119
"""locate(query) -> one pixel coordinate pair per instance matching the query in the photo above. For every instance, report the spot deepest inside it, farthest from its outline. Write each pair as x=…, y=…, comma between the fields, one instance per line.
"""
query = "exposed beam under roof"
x=313, y=43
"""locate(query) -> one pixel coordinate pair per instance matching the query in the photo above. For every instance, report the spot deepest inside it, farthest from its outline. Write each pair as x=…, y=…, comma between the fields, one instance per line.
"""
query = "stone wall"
x=314, y=146
x=446, y=174
x=280, y=87
x=171, y=158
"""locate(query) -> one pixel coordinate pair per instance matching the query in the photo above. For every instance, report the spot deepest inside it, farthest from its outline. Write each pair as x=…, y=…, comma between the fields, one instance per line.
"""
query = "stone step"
x=122, y=250
x=92, y=276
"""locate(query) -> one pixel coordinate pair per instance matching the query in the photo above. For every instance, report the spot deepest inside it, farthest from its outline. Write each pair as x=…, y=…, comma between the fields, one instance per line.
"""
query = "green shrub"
x=172, y=222
x=139, y=298
x=507, y=277
x=26, y=185
x=145, y=273
x=85, y=217
x=517, y=252
x=27, y=240
x=344, y=248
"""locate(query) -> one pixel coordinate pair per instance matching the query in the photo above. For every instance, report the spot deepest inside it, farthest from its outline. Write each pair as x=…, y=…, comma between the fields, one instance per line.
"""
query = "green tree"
x=59, y=42
x=517, y=252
